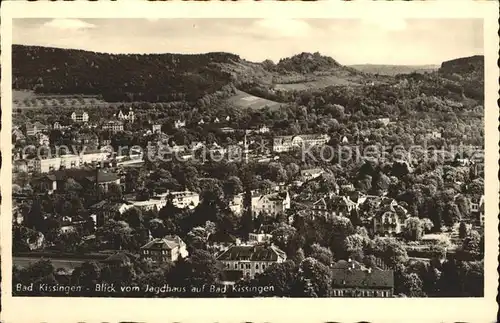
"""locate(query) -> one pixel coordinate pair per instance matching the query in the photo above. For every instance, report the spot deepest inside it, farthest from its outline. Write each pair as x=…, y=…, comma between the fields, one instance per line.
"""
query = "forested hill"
x=183, y=77
x=466, y=72
x=148, y=77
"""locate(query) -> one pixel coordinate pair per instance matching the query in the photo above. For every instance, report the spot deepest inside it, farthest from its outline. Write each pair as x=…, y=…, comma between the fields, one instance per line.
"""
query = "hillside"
x=154, y=77
x=466, y=73
x=394, y=69
x=203, y=77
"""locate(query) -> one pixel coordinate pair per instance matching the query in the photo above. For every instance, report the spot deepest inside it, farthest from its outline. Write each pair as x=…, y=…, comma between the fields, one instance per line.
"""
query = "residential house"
x=57, y=126
x=46, y=183
x=89, y=140
x=341, y=206
x=184, y=199
x=227, y=130
x=384, y=121
x=287, y=143
x=43, y=139
x=245, y=261
x=80, y=116
x=272, y=204
x=477, y=208
x=154, y=203
x=169, y=248
x=34, y=128
x=351, y=279
x=201, y=122
x=17, y=134
x=389, y=220
x=236, y=204
x=258, y=238
x=263, y=129
x=309, y=174
x=181, y=124
x=156, y=128
x=434, y=135
x=106, y=210
x=45, y=165
x=58, y=179
x=19, y=165
x=126, y=116
x=113, y=126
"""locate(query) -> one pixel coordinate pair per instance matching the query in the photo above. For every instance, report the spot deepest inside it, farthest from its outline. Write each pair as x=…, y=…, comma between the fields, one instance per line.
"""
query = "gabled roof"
x=166, y=243
x=252, y=253
x=354, y=275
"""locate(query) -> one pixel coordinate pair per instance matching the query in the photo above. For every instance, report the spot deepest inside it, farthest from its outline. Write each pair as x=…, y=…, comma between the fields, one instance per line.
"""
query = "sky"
x=349, y=41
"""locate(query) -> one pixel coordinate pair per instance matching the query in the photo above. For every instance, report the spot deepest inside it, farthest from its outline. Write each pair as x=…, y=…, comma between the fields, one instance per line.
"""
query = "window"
x=256, y=266
x=235, y=266
x=263, y=267
x=248, y=266
x=241, y=266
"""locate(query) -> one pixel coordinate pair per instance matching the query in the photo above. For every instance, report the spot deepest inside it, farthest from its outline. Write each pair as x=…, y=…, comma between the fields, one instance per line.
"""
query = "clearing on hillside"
x=245, y=100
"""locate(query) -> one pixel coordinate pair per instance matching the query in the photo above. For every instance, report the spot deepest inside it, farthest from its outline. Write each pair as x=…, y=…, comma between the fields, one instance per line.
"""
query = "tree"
x=413, y=285
x=114, y=192
x=322, y=254
x=472, y=242
x=117, y=233
x=315, y=278
x=200, y=268
x=462, y=230
x=415, y=228
x=283, y=276
x=133, y=217
x=232, y=186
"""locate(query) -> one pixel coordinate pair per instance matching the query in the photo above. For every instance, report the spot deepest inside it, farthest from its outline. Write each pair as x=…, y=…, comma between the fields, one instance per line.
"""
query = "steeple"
x=245, y=148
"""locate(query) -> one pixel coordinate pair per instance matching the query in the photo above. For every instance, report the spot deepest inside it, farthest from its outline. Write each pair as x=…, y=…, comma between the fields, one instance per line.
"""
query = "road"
x=57, y=263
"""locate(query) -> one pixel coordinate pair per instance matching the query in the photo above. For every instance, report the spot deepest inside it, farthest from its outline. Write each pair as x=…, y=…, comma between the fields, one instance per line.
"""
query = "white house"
x=271, y=204
x=80, y=116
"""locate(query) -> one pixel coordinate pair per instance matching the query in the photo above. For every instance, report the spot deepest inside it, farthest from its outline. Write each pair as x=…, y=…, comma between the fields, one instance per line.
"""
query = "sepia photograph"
x=252, y=157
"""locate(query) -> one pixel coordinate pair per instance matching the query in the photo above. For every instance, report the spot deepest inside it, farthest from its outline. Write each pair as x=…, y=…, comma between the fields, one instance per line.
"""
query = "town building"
x=389, y=220
x=351, y=279
x=43, y=139
x=245, y=261
x=126, y=116
x=227, y=130
x=184, y=199
x=236, y=204
x=80, y=116
x=106, y=210
x=17, y=134
x=384, y=121
x=309, y=174
x=271, y=204
x=263, y=129
x=154, y=203
x=156, y=128
x=34, y=128
x=113, y=126
x=180, y=124
x=258, y=238
x=477, y=209
x=169, y=248
x=287, y=143
x=87, y=178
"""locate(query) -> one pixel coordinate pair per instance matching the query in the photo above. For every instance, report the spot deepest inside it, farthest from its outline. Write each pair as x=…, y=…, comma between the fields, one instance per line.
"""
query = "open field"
x=245, y=100
x=31, y=100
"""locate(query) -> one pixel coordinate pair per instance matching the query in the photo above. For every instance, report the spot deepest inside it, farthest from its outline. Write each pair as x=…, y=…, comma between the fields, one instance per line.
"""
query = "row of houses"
x=288, y=143
x=68, y=161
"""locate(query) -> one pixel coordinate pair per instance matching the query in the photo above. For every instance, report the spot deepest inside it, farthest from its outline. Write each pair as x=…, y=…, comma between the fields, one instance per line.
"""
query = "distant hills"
x=183, y=77
x=394, y=69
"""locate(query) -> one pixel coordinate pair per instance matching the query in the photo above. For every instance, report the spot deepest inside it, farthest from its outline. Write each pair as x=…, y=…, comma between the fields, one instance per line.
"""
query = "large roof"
x=166, y=243
x=252, y=253
x=353, y=274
